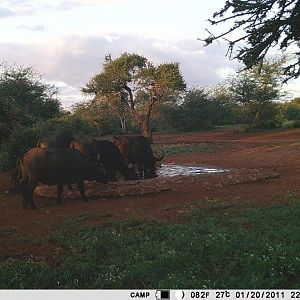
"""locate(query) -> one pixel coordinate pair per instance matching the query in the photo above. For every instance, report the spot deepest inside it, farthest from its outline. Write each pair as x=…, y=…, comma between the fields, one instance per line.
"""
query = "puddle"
x=170, y=170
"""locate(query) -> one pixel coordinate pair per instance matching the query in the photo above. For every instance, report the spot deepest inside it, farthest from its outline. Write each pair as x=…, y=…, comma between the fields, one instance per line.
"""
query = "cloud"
x=5, y=13
x=19, y=8
x=73, y=60
x=71, y=4
x=91, y=2
x=32, y=28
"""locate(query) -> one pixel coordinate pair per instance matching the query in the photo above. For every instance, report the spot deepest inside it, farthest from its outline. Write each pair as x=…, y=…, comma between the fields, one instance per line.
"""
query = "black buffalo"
x=59, y=141
x=55, y=167
x=16, y=176
x=137, y=150
x=106, y=153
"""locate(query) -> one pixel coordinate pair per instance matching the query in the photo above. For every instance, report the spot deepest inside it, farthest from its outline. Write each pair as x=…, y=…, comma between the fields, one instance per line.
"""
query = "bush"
x=20, y=141
x=291, y=124
x=24, y=138
x=25, y=99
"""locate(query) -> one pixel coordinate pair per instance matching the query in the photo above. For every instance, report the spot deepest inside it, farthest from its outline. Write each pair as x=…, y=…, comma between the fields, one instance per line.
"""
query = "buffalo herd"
x=63, y=159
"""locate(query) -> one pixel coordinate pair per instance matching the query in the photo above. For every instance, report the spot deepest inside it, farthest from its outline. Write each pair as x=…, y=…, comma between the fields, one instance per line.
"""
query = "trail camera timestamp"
x=244, y=294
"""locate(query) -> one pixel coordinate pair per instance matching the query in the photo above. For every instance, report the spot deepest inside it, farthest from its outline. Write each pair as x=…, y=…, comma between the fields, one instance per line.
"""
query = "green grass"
x=182, y=148
x=5, y=231
x=250, y=248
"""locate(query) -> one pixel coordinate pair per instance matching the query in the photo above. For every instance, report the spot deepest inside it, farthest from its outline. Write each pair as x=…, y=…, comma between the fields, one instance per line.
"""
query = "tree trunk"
x=123, y=124
x=146, y=130
x=143, y=120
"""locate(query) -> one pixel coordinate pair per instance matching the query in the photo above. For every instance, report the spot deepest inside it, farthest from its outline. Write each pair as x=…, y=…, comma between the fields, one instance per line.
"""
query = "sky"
x=66, y=40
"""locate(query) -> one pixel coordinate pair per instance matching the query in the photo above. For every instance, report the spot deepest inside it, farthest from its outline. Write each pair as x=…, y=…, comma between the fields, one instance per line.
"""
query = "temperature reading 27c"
x=222, y=294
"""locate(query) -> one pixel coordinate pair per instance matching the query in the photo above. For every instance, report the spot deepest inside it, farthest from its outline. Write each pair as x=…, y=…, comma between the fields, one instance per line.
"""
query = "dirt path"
x=278, y=152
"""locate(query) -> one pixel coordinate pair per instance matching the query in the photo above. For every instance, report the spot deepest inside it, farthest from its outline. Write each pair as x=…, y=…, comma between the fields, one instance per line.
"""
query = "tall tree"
x=25, y=98
x=103, y=113
x=266, y=23
x=255, y=90
x=138, y=83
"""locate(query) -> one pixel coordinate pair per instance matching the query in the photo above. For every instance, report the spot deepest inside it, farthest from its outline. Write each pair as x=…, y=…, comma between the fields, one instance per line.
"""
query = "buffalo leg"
x=80, y=185
x=25, y=199
x=112, y=175
x=29, y=194
x=140, y=170
x=129, y=173
x=149, y=171
x=23, y=191
x=60, y=188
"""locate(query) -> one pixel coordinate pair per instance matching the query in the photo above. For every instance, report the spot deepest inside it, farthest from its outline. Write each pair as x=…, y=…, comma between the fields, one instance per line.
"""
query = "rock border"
x=160, y=184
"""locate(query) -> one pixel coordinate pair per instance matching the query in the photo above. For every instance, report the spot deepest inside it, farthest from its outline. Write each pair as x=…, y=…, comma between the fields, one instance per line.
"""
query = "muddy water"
x=169, y=170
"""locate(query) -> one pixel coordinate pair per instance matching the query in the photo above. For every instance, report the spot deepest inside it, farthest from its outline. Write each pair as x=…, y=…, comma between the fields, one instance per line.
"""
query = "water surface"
x=169, y=170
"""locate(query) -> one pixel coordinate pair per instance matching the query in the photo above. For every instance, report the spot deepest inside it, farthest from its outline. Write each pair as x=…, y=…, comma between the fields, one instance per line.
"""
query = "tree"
x=228, y=111
x=138, y=84
x=291, y=110
x=24, y=99
x=197, y=110
x=255, y=90
x=99, y=114
x=266, y=24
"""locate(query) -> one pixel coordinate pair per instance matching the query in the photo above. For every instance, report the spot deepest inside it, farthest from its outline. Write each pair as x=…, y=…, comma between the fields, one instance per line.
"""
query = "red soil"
x=277, y=151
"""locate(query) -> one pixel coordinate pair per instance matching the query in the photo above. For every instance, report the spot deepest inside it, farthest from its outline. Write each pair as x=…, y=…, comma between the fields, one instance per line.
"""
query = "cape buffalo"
x=16, y=176
x=59, y=141
x=137, y=151
x=107, y=153
x=56, y=167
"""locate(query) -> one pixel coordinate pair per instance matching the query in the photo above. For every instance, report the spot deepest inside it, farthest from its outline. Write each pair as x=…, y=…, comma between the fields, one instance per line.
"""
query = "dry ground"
x=276, y=151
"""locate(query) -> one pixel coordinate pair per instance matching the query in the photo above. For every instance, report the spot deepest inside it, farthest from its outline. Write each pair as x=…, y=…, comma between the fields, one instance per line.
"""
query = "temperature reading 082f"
x=199, y=295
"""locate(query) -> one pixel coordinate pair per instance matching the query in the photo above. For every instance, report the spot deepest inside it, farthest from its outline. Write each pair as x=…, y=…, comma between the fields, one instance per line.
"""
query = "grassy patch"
x=6, y=231
x=250, y=248
x=78, y=219
x=182, y=148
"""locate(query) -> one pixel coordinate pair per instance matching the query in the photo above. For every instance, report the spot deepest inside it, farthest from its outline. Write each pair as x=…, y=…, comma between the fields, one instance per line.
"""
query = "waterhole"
x=170, y=170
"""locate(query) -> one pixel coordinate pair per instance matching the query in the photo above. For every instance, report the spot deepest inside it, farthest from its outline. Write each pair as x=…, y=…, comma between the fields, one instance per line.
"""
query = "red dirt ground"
x=278, y=151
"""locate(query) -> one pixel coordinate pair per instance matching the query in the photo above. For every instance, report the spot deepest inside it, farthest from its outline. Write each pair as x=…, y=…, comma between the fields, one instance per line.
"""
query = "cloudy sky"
x=66, y=40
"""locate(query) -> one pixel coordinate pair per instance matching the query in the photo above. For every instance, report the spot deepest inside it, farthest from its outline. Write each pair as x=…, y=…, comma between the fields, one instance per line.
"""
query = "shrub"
x=24, y=138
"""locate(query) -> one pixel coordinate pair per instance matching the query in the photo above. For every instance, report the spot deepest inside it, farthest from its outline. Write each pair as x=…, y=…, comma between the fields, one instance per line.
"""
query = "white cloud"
x=32, y=28
x=5, y=13
x=73, y=60
x=225, y=72
x=71, y=4
x=293, y=88
x=91, y=2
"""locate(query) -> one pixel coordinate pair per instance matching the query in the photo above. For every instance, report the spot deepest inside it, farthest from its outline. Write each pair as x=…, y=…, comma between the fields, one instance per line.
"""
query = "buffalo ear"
x=72, y=144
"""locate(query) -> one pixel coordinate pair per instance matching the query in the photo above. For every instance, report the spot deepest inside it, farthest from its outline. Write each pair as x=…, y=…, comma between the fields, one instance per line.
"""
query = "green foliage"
x=290, y=110
x=253, y=248
x=200, y=109
x=24, y=99
x=255, y=91
x=116, y=73
x=106, y=115
x=138, y=84
x=23, y=138
x=291, y=124
x=181, y=148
